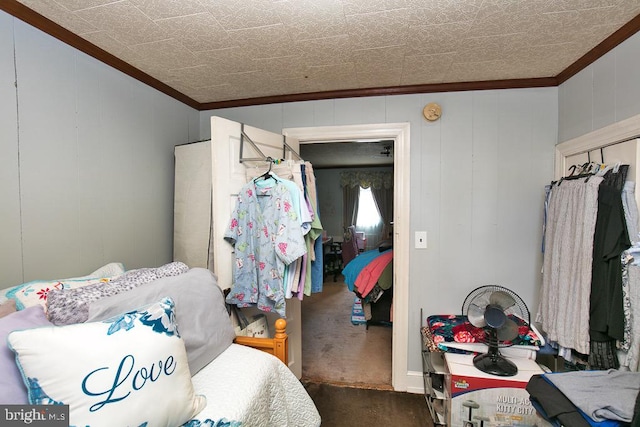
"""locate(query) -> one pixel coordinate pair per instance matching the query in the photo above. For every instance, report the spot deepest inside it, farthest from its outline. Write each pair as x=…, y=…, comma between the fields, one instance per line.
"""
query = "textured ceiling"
x=222, y=50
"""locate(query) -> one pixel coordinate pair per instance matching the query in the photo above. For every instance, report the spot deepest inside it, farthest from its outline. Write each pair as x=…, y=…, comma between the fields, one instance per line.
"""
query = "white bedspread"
x=248, y=387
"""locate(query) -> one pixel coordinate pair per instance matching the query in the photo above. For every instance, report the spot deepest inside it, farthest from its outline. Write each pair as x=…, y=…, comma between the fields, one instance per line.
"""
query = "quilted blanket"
x=247, y=387
x=454, y=333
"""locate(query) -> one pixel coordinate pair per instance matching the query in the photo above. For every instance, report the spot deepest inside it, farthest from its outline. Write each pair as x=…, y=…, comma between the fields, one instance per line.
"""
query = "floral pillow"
x=131, y=370
x=36, y=292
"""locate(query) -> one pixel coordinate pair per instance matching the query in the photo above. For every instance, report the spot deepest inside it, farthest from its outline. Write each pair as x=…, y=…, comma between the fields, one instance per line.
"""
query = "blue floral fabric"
x=160, y=317
x=456, y=328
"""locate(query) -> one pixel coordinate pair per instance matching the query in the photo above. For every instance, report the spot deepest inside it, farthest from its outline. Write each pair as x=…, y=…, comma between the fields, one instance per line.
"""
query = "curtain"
x=381, y=184
x=384, y=201
x=350, y=198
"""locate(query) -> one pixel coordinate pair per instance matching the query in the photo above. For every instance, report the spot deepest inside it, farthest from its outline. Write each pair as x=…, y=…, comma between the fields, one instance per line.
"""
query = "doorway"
x=399, y=133
x=346, y=339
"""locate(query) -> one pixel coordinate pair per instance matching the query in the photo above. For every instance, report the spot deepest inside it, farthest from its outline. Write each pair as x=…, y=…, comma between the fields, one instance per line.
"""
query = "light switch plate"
x=421, y=240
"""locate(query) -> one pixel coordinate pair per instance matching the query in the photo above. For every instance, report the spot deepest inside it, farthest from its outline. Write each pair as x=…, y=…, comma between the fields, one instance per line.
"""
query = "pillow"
x=68, y=306
x=12, y=389
x=36, y=292
x=201, y=313
x=7, y=308
x=110, y=270
x=128, y=371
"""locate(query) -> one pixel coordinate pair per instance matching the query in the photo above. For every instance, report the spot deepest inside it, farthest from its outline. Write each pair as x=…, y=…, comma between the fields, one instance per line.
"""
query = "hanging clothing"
x=611, y=238
x=629, y=346
x=630, y=359
x=625, y=260
x=631, y=210
x=301, y=276
x=266, y=234
x=317, y=264
x=565, y=293
x=300, y=175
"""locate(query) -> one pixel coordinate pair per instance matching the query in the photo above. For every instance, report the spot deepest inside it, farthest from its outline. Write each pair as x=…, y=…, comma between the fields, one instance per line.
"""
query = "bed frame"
x=277, y=346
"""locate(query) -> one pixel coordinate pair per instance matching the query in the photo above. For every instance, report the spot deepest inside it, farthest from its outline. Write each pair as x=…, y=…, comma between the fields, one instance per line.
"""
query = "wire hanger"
x=585, y=170
x=267, y=174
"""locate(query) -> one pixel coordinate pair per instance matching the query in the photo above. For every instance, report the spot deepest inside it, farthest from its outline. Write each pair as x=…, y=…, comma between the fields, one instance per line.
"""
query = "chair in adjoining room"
x=333, y=259
x=349, y=245
x=361, y=241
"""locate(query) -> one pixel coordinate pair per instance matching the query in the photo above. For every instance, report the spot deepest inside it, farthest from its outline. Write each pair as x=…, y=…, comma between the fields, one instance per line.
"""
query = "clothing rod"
x=243, y=136
x=609, y=144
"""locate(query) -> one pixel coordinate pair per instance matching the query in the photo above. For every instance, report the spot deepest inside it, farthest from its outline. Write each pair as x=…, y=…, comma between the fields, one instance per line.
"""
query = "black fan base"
x=495, y=364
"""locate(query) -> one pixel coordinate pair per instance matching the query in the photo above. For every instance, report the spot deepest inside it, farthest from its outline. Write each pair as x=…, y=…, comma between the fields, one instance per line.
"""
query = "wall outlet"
x=421, y=240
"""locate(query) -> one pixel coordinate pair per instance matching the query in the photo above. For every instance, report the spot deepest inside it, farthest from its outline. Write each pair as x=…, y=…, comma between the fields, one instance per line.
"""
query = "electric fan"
x=498, y=318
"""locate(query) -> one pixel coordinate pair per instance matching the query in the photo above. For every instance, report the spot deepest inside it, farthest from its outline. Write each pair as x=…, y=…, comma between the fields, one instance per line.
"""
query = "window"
x=368, y=215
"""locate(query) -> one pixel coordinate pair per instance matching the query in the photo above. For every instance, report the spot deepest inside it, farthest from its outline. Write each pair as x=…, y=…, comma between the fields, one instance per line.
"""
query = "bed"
x=162, y=352
x=370, y=276
x=259, y=391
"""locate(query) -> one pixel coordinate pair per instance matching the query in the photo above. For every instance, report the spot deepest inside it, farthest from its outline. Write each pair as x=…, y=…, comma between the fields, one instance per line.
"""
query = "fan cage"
x=489, y=337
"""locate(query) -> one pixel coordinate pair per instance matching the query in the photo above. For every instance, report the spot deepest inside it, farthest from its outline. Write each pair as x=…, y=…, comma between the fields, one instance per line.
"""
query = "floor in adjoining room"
x=334, y=350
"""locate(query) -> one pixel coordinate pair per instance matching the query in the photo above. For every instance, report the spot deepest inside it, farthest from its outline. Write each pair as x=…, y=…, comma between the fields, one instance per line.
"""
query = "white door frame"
x=401, y=175
x=612, y=134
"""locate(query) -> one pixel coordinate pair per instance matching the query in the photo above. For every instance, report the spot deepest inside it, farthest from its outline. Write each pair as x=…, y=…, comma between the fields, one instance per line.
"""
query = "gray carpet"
x=354, y=407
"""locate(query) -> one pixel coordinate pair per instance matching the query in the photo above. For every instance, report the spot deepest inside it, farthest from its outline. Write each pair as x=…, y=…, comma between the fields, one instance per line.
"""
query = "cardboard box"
x=479, y=399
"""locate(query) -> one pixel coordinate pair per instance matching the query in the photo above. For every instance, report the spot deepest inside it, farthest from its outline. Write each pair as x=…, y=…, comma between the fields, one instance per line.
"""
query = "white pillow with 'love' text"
x=130, y=370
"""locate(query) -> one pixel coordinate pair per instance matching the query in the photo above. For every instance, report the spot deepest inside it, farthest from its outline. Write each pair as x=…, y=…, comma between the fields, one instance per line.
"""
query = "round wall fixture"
x=432, y=112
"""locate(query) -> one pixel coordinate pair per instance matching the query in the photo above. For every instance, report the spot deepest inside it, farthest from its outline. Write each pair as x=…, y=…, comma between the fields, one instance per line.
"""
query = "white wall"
x=606, y=92
x=477, y=185
x=86, y=161
x=10, y=240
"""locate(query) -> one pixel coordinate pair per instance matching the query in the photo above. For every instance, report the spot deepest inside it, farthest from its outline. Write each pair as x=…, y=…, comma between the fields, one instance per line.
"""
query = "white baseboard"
x=415, y=382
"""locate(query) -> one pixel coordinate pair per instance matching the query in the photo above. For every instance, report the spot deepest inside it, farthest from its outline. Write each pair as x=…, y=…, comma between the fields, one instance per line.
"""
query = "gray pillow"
x=201, y=314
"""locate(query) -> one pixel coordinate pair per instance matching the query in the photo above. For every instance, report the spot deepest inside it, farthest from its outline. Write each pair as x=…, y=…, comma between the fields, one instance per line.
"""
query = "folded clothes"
x=556, y=408
x=601, y=395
